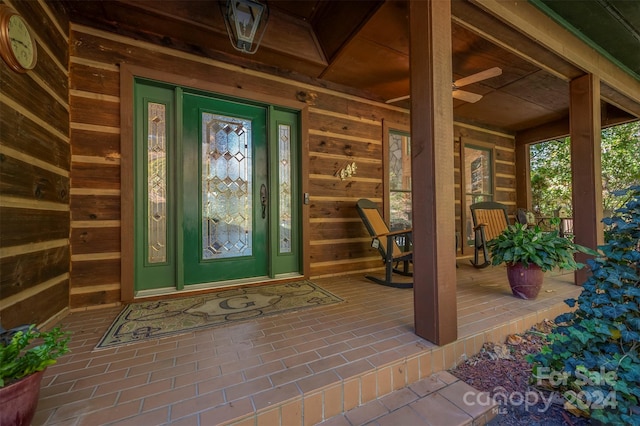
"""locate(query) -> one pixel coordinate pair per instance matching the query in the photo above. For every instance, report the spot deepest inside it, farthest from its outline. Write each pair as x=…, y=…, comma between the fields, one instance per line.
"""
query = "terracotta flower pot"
x=19, y=400
x=525, y=282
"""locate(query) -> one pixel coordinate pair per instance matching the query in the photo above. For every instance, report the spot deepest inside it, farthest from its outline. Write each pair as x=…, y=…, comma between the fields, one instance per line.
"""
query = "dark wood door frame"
x=127, y=75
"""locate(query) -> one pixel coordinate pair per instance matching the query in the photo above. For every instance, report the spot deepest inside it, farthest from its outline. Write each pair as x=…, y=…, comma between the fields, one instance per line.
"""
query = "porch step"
x=412, y=389
x=441, y=399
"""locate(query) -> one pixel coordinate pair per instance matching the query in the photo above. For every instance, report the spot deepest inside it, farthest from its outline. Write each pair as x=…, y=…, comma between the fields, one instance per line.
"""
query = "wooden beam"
x=523, y=177
x=610, y=115
x=619, y=100
x=546, y=132
x=471, y=17
x=586, y=170
x=432, y=171
x=533, y=23
x=199, y=29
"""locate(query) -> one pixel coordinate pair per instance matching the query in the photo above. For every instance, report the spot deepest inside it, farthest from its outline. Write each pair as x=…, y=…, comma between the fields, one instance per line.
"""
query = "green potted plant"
x=529, y=252
x=25, y=353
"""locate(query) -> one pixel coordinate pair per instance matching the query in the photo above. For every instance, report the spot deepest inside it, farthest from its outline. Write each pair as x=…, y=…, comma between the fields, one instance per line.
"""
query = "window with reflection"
x=399, y=180
x=478, y=180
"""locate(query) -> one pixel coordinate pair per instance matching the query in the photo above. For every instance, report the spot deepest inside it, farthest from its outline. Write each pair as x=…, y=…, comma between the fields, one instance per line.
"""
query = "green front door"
x=225, y=190
x=216, y=189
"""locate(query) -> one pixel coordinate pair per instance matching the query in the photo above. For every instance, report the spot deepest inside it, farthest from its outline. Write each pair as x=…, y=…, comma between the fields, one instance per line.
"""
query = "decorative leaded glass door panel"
x=155, y=208
x=225, y=190
x=216, y=190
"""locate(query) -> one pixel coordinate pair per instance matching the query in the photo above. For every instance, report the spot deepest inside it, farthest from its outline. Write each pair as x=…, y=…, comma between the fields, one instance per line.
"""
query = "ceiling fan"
x=461, y=94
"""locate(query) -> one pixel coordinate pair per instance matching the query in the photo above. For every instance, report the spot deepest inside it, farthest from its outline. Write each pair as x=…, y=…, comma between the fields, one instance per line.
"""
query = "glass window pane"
x=478, y=181
x=226, y=187
x=284, y=211
x=156, y=183
x=399, y=180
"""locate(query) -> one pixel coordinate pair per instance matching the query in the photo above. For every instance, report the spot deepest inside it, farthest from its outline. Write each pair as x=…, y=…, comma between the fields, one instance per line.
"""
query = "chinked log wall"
x=35, y=161
x=341, y=129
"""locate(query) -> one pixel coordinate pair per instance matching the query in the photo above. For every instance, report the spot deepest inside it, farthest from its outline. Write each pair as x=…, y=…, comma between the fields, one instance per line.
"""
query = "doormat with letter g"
x=162, y=318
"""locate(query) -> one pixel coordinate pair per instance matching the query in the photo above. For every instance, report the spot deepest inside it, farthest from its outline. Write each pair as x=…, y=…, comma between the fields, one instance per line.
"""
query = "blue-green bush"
x=593, y=355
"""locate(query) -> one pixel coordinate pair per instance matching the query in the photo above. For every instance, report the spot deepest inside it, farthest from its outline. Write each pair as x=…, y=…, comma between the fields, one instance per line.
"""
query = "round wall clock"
x=17, y=45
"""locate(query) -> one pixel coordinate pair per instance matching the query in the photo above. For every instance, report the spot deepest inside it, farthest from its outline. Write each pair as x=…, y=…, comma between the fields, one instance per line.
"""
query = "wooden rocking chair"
x=489, y=220
x=386, y=242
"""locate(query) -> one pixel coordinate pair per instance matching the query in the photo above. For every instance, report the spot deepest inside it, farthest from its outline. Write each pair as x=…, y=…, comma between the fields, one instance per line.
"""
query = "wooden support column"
x=586, y=173
x=432, y=171
x=523, y=176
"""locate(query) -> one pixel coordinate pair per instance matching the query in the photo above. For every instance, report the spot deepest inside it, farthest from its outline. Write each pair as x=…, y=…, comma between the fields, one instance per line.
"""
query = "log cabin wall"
x=35, y=161
x=342, y=129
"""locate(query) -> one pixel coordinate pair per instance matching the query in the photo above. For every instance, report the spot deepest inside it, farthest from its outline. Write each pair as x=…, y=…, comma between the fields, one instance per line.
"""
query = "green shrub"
x=593, y=355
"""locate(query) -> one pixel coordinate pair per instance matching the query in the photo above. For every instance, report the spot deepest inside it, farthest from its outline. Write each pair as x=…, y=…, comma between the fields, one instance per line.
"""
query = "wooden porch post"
x=523, y=176
x=432, y=171
x=586, y=173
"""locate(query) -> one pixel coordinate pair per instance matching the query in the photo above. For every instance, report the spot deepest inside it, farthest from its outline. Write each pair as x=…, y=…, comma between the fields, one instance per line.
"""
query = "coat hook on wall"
x=347, y=171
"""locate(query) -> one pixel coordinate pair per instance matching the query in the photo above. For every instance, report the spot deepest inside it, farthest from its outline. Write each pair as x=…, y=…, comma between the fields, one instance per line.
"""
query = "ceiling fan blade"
x=474, y=78
x=466, y=96
x=457, y=93
x=460, y=94
x=401, y=98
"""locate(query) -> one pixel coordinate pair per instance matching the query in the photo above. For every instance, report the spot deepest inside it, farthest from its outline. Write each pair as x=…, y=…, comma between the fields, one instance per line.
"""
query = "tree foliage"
x=551, y=168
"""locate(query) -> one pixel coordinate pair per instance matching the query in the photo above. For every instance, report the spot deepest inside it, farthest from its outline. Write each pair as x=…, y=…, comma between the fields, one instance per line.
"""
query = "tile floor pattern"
x=440, y=399
x=301, y=367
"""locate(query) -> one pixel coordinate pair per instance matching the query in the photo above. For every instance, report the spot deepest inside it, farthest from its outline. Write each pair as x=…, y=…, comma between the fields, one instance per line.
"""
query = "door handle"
x=263, y=199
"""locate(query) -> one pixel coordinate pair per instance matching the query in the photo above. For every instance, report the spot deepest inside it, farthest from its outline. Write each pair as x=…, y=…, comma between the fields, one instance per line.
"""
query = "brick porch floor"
x=359, y=357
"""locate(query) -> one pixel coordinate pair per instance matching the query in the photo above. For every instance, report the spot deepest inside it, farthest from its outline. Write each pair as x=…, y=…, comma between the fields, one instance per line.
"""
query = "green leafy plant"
x=595, y=349
x=526, y=244
x=20, y=356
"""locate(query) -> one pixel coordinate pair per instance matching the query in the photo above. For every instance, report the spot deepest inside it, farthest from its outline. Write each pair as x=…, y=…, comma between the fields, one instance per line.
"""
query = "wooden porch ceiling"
x=362, y=47
x=610, y=26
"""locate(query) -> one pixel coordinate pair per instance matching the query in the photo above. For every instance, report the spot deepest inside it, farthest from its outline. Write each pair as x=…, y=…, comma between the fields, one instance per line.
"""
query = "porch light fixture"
x=246, y=21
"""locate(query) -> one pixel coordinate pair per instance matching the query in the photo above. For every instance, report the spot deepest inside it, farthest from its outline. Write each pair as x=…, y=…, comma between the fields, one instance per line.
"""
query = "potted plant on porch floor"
x=529, y=252
x=25, y=353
